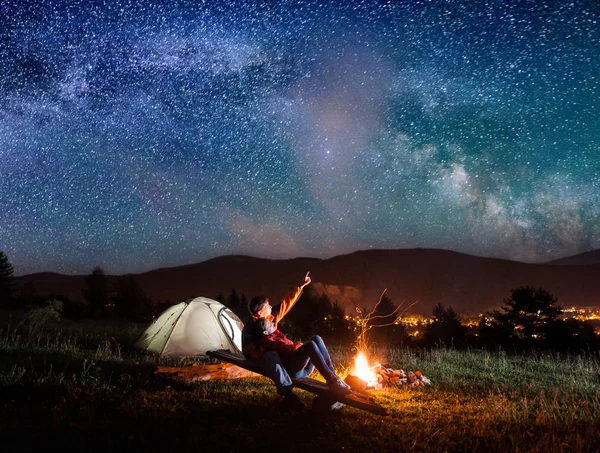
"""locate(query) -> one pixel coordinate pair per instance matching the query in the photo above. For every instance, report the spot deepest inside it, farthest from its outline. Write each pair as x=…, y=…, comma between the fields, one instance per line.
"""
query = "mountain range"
x=591, y=257
x=417, y=279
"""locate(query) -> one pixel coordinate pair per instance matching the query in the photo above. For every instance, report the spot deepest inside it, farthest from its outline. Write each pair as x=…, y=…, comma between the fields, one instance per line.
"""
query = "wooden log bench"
x=324, y=396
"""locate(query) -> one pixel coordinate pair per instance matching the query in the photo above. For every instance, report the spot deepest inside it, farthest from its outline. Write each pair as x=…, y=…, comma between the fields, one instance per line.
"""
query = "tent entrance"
x=226, y=319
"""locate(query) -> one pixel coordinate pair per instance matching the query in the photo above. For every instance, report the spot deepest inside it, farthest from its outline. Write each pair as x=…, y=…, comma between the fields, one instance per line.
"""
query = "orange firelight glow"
x=363, y=370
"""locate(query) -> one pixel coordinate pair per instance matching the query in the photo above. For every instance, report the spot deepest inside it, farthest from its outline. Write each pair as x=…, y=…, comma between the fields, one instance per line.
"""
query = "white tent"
x=191, y=328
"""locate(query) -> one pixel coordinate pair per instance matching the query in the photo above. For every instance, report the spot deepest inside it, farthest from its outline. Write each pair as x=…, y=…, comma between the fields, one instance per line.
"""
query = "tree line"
x=120, y=298
x=530, y=318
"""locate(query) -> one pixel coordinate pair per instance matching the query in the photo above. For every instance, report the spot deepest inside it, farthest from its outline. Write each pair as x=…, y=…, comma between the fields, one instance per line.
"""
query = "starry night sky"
x=136, y=135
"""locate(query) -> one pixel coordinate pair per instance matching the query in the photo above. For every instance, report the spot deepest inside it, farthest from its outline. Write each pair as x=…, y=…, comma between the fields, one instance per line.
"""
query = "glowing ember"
x=363, y=370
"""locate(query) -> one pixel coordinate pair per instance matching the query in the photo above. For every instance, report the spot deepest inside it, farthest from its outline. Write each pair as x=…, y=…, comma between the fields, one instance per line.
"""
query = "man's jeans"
x=270, y=362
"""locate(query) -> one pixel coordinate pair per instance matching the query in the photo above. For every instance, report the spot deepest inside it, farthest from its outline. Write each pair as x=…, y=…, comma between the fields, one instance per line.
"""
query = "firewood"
x=356, y=383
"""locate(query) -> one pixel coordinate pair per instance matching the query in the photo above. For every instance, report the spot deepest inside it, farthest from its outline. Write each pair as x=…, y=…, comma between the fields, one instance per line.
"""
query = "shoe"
x=338, y=386
x=343, y=383
x=337, y=406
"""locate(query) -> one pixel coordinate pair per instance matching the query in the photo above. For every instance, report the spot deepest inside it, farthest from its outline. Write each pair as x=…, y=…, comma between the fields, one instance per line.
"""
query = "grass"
x=80, y=386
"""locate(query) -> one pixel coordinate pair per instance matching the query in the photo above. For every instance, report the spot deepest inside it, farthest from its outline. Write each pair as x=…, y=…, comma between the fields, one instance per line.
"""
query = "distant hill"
x=420, y=276
x=591, y=257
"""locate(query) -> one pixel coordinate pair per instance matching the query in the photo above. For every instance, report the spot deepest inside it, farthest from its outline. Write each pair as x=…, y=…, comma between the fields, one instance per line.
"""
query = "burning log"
x=356, y=383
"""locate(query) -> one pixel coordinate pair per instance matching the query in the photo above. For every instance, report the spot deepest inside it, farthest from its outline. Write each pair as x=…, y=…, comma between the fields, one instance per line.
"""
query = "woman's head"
x=265, y=326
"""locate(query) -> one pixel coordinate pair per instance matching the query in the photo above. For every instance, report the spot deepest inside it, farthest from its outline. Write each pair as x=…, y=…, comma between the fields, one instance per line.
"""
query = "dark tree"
x=96, y=292
x=8, y=282
x=233, y=300
x=446, y=328
x=524, y=317
x=130, y=301
x=72, y=309
x=385, y=311
x=494, y=331
x=339, y=327
x=384, y=328
x=29, y=294
x=310, y=316
x=243, y=312
x=238, y=305
x=529, y=309
x=571, y=335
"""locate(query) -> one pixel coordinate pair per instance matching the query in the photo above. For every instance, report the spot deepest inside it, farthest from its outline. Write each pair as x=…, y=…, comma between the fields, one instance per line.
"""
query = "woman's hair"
x=265, y=326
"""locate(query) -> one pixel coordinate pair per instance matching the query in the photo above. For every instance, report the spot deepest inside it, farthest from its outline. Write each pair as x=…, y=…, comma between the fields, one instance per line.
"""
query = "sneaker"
x=339, y=386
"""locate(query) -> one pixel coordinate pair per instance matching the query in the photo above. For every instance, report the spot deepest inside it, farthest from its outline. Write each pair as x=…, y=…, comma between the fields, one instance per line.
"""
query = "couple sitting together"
x=280, y=357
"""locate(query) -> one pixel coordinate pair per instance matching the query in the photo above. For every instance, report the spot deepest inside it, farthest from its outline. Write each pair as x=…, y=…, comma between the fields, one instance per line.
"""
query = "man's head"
x=259, y=307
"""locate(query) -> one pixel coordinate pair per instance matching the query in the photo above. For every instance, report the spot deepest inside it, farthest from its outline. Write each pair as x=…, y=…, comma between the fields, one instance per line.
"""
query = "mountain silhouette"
x=417, y=279
x=591, y=257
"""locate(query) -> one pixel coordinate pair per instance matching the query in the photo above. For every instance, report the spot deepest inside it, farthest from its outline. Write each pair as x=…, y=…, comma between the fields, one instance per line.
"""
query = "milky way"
x=138, y=135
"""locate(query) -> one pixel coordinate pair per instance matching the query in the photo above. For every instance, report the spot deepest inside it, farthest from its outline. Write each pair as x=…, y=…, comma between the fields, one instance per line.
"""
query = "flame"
x=363, y=370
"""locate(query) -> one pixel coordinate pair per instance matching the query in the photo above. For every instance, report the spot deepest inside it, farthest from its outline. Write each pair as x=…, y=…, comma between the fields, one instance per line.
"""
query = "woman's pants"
x=312, y=354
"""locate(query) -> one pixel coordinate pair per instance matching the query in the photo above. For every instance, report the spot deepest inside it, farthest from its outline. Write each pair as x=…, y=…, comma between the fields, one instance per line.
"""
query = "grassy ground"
x=79, y=387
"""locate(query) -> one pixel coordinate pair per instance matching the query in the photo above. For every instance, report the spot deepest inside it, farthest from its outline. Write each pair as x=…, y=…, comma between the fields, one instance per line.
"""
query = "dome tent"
x=191, y=328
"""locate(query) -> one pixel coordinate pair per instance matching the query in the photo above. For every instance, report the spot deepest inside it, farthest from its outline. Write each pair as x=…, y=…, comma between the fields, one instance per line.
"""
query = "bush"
x=39, y=317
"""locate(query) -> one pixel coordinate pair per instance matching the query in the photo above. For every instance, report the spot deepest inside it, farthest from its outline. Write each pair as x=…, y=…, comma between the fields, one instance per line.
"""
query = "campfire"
x=367, y=377
x=365, y=372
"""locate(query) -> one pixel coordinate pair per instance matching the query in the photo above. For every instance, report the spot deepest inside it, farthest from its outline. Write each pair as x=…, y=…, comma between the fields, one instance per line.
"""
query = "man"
x=270, y=361
x=305, y=358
